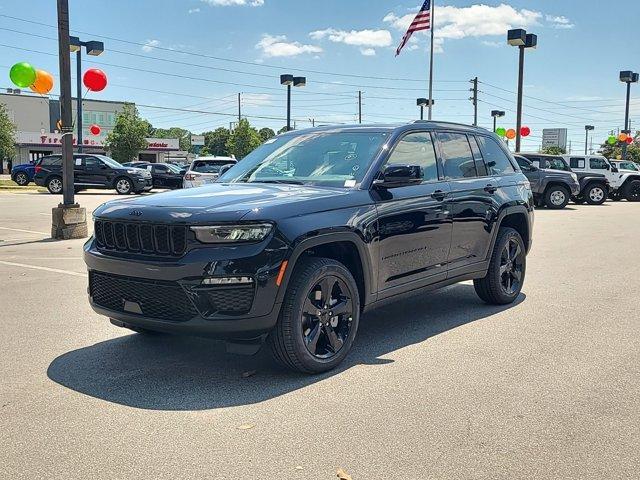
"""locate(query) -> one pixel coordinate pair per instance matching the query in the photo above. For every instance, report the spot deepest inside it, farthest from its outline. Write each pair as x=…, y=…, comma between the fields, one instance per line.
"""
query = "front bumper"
x=143, y=183
x=259, y=262
x=575, y=189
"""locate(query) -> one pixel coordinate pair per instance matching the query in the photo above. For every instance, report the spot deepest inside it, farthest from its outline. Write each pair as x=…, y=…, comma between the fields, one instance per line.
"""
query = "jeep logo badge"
x=135, y=213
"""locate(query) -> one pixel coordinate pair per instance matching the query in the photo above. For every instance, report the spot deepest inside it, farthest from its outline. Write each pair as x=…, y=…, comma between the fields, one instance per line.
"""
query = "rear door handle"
x=439, y=195
x=491, y=188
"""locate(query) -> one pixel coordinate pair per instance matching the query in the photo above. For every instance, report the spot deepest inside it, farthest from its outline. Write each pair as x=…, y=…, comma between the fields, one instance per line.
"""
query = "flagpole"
x=433, y=7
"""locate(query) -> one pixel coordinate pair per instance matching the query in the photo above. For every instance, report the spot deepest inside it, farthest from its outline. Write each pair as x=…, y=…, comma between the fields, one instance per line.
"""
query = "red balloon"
x=95, y=79
x=525, y=131
x=95, y=129
x=629, y=140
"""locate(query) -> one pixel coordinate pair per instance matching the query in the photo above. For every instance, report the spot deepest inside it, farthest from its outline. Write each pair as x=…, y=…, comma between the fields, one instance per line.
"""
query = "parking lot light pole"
x=94, y=48
x=627, y=77
x=523, y=40
x=422, y=103
x=496, y=114
x=587, y=129
x=289, y=81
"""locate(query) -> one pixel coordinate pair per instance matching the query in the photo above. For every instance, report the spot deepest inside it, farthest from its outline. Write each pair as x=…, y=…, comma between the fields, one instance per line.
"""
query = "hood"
x=226, y=202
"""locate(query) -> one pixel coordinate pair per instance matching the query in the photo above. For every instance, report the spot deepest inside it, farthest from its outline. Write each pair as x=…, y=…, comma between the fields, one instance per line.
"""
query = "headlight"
x=232, y=233
x=575, y=177
x=134, y=171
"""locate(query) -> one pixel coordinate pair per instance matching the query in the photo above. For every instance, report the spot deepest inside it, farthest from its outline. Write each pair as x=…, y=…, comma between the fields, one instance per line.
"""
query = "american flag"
x=421, y=22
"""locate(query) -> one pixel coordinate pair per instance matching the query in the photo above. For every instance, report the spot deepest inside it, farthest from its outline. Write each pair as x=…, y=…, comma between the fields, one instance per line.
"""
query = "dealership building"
x=37, y=119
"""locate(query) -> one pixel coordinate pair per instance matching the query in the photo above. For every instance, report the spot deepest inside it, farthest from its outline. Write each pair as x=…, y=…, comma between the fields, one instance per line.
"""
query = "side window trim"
x=436, y=152
x=440, y=150
x=507, y=153
x=473, y=141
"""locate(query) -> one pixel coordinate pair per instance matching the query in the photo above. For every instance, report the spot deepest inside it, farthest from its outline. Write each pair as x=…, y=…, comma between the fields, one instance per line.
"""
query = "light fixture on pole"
x=523, y=40
x=289, y=81
x=94, y=48
x=496, y=114
x=627, y=77
x=422, y=103
x=587, y=129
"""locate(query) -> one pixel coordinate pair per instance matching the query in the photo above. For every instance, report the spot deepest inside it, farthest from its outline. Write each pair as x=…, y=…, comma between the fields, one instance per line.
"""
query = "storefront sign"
x=53, y=139
x=197, y=140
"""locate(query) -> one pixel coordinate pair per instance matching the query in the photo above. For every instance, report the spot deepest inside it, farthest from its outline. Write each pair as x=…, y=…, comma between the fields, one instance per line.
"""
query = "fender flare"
x=300, y=246
x=505, y=212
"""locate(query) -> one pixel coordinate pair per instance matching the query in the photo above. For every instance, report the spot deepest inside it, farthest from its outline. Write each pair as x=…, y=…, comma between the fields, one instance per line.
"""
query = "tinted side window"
x=92, y=162
x=576, y=162
x=497, y=161
x=416, y=149
x=525, y=166
x=481, y=168
x=457, y=155
x=556, y=163
x=50, y=161
x=160, y=168
x=598, y=163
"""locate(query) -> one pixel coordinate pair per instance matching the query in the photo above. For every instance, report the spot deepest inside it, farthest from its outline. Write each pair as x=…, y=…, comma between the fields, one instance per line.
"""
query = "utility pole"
x=359, y=106
x=239, y=107
x=68, y=219
x=474, y=100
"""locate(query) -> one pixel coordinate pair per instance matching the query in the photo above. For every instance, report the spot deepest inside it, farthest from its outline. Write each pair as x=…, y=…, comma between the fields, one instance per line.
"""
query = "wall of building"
x=30, y=113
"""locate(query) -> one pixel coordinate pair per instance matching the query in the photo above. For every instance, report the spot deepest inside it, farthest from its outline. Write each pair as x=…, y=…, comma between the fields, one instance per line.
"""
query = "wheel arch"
x=516, y=217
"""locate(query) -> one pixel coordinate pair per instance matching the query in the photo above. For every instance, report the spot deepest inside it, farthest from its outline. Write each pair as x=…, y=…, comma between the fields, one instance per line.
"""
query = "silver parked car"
x=204, y=170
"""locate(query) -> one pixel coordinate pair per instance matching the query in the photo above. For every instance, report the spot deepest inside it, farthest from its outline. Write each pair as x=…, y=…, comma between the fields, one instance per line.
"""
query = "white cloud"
x=474, y=21
x=194, y=10
x=256, y=99
x=279, y=46
x=368, y=52
x=362, y=38
x=149, y=44
x=493, y=44
x=233, y=3
x=559, y=22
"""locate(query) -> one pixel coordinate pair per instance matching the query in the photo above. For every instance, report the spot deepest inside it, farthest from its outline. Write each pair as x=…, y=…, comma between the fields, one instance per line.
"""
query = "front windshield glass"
x=109, y=161
x=628, y=166
x=336, y=159
x=173, y=168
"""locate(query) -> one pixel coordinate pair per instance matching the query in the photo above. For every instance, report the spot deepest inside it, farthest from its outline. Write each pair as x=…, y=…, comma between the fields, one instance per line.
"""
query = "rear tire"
x=507, y=268
x=596, y=194
x=310, y=342
x=54, y=185
x=632, y=191
x=556, y=197
x=21, y=179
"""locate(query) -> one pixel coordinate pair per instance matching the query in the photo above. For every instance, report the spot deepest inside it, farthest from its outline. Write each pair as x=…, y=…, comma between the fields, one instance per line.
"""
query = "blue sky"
x=571, y=79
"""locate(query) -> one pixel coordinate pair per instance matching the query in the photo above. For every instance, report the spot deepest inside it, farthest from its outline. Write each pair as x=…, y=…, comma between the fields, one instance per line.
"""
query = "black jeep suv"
x=310, y=230
x=92, y=171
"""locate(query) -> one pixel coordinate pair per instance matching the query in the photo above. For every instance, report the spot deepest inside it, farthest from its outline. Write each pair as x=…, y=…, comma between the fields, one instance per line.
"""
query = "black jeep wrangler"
x=312, y=229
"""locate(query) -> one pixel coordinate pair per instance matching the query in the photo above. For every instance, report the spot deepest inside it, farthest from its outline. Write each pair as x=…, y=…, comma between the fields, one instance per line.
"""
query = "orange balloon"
x=43, y=83
x=623, y=137
x=511, y=134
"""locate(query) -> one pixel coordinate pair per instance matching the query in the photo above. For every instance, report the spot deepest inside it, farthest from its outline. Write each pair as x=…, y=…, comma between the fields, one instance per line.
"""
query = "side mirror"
x=399, y=176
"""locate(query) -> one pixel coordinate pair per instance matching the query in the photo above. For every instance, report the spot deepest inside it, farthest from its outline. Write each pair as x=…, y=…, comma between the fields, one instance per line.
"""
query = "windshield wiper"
x=286, y=182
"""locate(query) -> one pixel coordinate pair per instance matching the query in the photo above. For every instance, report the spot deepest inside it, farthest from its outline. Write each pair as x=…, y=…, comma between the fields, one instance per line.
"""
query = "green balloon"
x=23, y=74
x=612, y=140
x=501, y=132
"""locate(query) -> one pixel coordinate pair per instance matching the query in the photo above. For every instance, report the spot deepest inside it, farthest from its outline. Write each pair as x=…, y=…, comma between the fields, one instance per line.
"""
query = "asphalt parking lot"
x=438, y=386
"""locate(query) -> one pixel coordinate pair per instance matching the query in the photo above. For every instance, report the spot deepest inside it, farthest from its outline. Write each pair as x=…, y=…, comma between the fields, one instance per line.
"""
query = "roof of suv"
x=377, y=127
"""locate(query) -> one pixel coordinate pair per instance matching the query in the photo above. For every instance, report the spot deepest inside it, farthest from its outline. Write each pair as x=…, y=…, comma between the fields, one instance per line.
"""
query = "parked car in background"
x=625, y=165
x=205, y=170
x=23, y=174
x=360, y=216
x=594, y=187
x=552, y=188
x=165, y=175
x=624, y=184
x=92, y=171
x=136, y=164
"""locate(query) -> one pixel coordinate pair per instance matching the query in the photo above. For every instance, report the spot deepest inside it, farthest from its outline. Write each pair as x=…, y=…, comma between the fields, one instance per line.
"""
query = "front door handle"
x=439, y=195
x=491, y=188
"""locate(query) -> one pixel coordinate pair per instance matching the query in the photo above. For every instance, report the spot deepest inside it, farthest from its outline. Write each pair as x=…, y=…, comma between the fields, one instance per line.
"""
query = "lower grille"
x=231, y=300
x=168, y=240
x=164, y=300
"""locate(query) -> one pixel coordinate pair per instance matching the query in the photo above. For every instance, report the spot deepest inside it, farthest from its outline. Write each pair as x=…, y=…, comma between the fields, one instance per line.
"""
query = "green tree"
x=266, y=133
x=7, y=135
x=243, y=140
x=553, y=151
x=129, y=136
x=215, y=142
x=175, y=132
x=614, y=151
x=282, y=130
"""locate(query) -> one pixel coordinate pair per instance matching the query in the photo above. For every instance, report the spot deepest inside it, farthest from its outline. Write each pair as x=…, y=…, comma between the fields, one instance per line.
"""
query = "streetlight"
x=627, y=77
x=587, y=129
x=521, y=39
x=422, y=103
x=290, y=80
x=94, y=48
x=495, y=114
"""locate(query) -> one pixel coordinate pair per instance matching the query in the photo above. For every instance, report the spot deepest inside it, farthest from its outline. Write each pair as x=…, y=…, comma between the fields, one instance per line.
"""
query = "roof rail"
x=421, y=121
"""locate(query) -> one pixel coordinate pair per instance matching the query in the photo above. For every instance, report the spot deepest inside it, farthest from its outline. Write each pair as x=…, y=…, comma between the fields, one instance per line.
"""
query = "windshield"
x=628, y=166
x=337, y=159
x=173, y=168
x=209, y=166
x=109, y=161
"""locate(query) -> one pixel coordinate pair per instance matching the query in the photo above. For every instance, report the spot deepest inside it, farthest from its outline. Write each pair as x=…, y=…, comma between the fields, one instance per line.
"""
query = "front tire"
x=507, y=268
x=319, y=317
x=54, y=185
x=632, y=191
x=556, y=197
x=596, y=194
x=21, y=179
x=123, y=186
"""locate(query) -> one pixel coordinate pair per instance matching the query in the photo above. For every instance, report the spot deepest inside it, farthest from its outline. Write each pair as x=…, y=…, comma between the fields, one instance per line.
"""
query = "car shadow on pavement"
x=166, y=372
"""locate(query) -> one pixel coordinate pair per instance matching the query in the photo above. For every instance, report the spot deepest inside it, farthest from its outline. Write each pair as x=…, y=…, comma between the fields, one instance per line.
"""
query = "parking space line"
x=46, y=269
x=25, y=231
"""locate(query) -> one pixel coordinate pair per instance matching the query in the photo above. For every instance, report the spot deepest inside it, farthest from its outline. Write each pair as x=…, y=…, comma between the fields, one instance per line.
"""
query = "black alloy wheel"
x=511, y=267
x=632, y=191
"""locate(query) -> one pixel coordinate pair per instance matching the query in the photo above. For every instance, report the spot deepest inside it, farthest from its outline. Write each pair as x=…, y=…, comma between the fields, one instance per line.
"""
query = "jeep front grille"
x=169, y=240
